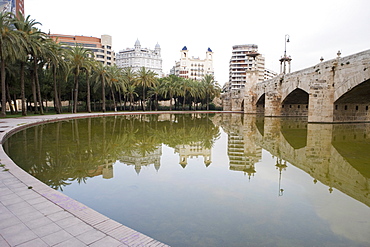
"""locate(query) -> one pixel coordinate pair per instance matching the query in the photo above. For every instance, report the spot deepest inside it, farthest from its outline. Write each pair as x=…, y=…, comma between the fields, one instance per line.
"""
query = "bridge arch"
x=260, y=104
x=295, y=103
x=354, y=104
x=361, y=76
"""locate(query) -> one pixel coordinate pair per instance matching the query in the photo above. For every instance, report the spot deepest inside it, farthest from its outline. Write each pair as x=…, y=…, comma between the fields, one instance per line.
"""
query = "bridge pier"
x=249, y=95
x=321, y=102
x=273, y=104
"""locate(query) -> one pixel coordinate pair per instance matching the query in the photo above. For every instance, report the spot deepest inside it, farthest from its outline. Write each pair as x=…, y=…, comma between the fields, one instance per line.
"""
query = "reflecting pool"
x=211, y=179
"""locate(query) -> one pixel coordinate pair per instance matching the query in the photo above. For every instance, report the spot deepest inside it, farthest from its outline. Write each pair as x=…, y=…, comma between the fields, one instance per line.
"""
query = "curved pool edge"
x=32, y=213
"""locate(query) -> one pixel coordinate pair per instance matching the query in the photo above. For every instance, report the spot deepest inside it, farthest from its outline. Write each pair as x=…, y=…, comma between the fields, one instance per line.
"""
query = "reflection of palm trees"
x=73, y=150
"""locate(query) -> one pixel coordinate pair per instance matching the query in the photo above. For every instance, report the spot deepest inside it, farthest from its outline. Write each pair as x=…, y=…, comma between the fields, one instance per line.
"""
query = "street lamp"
x=285, y=58
x=286, y=41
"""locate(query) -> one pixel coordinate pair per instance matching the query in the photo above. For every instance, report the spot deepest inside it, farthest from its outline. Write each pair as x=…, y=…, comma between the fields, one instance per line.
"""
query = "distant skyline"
x=317, y=28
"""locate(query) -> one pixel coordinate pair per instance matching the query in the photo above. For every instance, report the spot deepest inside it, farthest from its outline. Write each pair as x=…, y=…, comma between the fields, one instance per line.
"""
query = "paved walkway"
x=33, y=214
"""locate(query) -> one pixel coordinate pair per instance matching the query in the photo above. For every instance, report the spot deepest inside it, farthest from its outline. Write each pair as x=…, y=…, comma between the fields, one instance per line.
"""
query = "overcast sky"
x=316, y=27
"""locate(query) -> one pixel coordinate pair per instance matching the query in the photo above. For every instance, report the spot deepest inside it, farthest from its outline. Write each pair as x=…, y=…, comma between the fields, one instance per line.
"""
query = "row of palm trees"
x=34, y=66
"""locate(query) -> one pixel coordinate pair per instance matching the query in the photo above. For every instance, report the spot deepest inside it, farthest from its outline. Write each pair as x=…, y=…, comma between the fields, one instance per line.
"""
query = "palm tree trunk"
x=207, y=104
x=131, y=99
x=120, y=99
x=60, y=96
x=88, y=100
x=23, y=96
x=143, y=101
x=38, y=86
x=9, y=98
x=3, y=86
x=171, y=96
x=56, y=98
x=35, y=110
x=114, y=99
x=103, y=94
x=75, y=94
x=156, y=102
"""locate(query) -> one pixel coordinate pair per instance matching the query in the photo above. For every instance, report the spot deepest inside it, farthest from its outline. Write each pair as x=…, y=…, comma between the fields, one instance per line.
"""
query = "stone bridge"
x=335, y=155
x=337, y=90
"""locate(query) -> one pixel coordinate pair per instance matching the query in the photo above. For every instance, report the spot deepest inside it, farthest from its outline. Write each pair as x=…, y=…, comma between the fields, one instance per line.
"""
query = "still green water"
x=211, y=180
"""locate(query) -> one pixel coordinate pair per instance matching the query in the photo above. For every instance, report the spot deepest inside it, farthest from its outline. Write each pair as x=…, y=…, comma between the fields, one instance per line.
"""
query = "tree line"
x=36, y=69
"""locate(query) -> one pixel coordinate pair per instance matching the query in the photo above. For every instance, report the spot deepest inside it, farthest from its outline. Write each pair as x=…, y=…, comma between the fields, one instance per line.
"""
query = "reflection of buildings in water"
x=137, y=159
x=105, y=170
x=243, y=155
x=317, y=149
x=193, y=151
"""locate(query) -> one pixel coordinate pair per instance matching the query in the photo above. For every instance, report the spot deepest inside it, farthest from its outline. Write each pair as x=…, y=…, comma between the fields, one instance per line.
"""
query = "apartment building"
x=245, y=58
x=193, y=68
x=101, y=47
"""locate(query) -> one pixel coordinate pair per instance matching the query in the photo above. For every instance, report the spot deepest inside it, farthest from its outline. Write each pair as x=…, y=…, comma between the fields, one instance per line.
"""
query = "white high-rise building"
x=194, y=68
x=138, y=57
x=244, y=58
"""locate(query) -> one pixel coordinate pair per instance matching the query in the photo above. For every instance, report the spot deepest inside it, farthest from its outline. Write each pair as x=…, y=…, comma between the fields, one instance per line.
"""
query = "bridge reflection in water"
x=337, y=155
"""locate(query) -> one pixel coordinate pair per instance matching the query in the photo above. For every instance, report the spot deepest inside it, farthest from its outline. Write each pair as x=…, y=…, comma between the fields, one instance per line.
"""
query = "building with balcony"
x=14, y=6
x=138, y=57
x=245, y=58
x=101, y=47
x=193, y=68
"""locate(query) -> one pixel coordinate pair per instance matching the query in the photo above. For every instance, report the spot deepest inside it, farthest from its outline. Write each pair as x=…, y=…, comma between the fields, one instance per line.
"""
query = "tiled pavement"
x=33, y=214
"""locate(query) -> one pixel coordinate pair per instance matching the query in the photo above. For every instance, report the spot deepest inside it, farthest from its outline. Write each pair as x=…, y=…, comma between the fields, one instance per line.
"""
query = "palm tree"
x=78, y=58
x=196, y=91
x=38, y=52
x=131, y=92
x=129, y=79
x=212, y=89
x=115, y=81
x=156, y=90
x=56, y=62
x=171, y=87
x=9, y=50
x=27, y=30
x=185, y=88
x=88, y=71
x=145, y=78
x=101, y=77
x=89, y=68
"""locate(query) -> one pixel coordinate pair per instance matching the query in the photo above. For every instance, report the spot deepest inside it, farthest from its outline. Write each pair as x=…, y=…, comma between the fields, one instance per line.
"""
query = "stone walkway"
x=33, y=214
